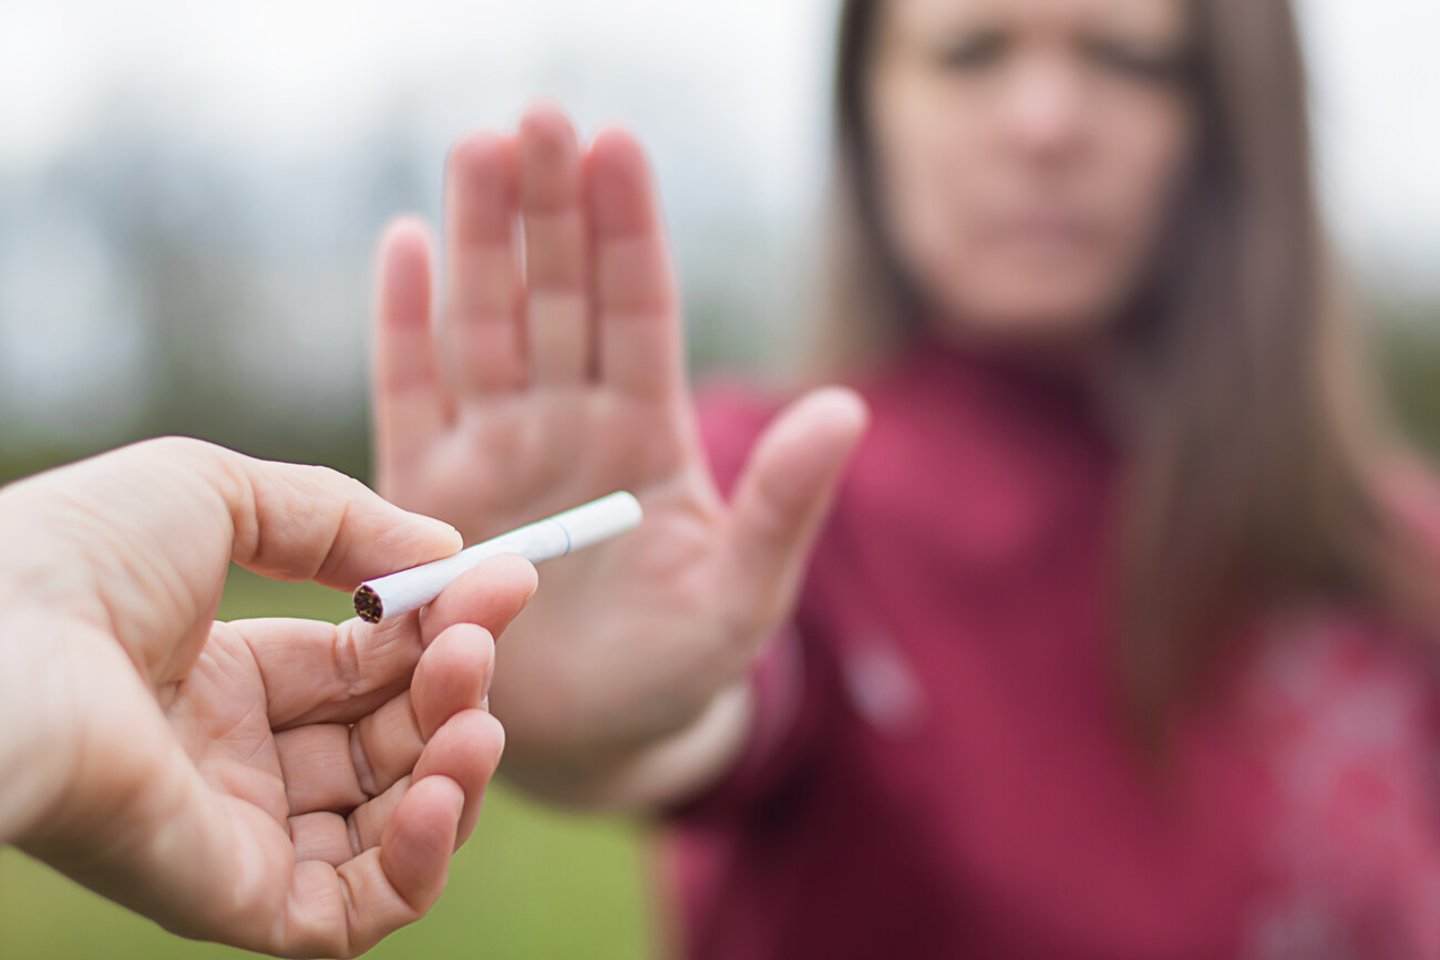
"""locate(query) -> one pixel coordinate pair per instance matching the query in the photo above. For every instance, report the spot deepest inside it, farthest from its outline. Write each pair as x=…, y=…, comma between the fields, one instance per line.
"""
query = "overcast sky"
x=277, y=77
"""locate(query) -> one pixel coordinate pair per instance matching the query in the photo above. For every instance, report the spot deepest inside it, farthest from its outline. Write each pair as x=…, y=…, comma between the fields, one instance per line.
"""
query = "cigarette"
x=547, y=539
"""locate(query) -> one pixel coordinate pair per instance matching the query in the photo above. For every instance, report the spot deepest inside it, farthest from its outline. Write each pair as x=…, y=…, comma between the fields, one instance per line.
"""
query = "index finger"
x=326, y=673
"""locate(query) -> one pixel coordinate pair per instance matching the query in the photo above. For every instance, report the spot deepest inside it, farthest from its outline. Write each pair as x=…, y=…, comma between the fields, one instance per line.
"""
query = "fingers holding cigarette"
x=548, y=539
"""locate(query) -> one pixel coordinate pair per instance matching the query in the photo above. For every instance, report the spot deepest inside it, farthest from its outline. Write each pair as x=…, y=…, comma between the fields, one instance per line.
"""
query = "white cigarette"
x=566, y=532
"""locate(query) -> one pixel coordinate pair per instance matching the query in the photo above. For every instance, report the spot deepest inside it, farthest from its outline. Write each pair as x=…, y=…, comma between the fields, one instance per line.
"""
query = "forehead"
x=1158, y=19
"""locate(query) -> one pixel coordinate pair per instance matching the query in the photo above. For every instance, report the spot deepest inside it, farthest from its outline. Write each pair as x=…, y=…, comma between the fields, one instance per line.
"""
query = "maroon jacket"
x=937, y=767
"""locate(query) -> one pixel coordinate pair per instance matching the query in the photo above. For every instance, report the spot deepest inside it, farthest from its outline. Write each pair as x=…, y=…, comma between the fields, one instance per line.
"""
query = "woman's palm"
x=557, y=376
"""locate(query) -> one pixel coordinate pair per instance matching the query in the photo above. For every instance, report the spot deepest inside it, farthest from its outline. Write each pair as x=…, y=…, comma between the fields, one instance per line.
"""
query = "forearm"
x=650, y=778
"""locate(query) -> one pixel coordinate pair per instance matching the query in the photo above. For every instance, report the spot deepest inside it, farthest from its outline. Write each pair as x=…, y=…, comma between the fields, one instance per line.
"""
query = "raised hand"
x=555, y=374
x=287, y=786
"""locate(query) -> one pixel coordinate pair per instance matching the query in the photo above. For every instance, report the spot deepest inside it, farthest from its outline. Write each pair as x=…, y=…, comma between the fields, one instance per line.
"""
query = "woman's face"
x=1025, y=153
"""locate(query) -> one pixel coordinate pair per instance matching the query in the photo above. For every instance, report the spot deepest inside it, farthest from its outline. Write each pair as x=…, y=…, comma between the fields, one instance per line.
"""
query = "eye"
x=1158, y=67
x=972, y=52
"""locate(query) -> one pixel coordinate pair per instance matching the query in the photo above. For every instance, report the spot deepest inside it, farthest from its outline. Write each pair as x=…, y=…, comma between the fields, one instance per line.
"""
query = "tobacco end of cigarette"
x=368, y=606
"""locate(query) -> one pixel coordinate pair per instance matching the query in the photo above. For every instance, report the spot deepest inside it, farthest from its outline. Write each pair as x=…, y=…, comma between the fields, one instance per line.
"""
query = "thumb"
x=783, y=496
x=138, y=541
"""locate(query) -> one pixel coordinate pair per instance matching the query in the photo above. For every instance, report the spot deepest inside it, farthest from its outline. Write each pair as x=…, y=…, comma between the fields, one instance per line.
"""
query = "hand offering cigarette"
x=547, y=539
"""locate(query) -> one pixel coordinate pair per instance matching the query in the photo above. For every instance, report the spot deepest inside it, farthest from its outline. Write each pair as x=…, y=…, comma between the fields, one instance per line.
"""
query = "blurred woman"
x=1111, y=643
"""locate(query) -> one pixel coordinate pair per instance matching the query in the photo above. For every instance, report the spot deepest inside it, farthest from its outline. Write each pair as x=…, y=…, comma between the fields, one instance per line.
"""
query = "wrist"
x=645, y=777
x=689, y=763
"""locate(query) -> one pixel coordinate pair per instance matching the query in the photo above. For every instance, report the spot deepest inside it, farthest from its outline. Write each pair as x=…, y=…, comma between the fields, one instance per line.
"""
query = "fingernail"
x=485, y=693
x=437, y=525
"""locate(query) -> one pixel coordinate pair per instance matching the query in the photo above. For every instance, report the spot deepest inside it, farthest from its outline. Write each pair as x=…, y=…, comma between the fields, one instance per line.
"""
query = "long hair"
x=1250, y=487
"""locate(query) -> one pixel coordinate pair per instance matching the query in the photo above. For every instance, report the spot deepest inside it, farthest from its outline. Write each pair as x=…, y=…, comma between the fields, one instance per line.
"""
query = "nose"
x=1043, y=108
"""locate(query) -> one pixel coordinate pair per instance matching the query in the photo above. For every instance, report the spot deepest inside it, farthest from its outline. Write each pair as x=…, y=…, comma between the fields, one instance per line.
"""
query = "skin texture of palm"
x=555, y=374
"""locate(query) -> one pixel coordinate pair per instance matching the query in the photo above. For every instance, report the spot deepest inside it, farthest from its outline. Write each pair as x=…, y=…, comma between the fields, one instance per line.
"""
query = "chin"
x=1034, y=313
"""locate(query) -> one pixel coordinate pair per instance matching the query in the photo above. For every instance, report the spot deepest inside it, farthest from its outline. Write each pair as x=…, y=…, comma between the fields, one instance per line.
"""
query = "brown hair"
x=1250, y=483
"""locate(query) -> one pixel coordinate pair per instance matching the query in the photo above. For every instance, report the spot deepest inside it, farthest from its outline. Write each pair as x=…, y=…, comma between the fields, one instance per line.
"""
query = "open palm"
x=556, y=375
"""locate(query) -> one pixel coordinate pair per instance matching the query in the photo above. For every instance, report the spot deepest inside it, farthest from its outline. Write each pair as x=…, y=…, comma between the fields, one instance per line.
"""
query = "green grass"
x=530, y=883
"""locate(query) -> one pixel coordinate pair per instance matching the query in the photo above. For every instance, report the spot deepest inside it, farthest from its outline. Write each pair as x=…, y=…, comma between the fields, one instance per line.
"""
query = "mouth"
x=1044, y=235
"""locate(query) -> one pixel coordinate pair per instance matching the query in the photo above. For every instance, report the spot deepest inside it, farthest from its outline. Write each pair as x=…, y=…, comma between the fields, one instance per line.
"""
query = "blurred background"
x=189, y=195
